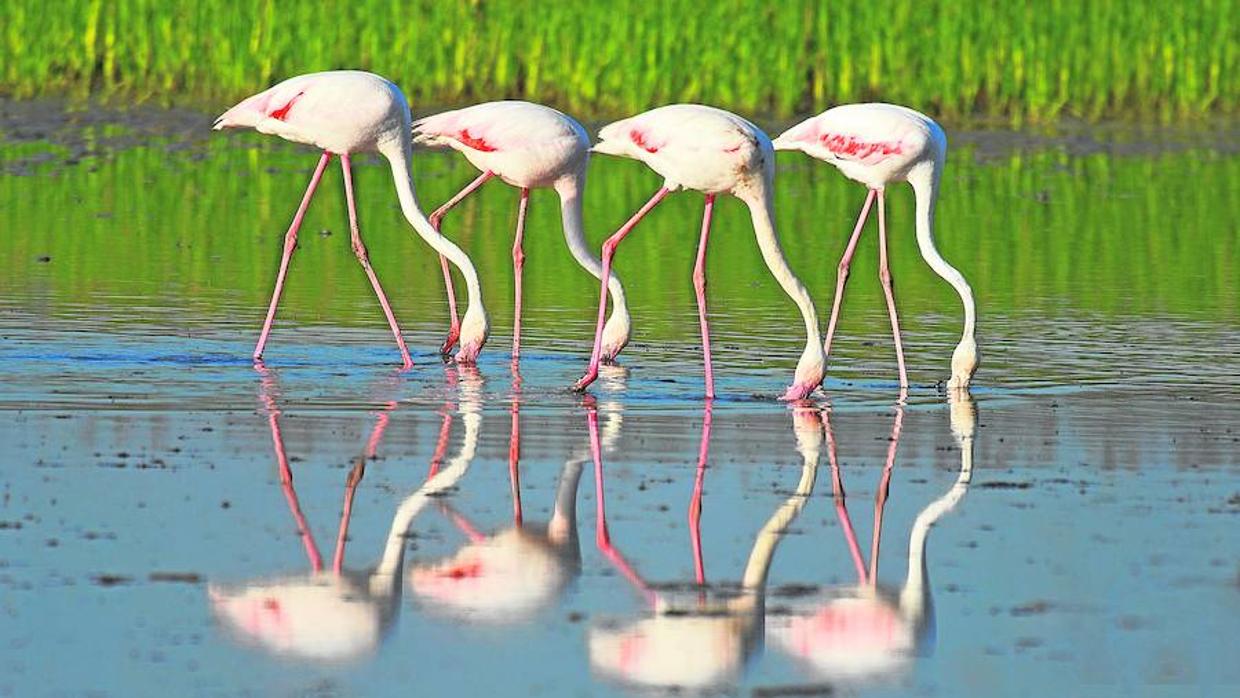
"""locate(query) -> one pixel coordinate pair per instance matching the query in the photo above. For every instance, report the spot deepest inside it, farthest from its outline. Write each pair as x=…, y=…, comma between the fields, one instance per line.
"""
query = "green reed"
x=1033, y=60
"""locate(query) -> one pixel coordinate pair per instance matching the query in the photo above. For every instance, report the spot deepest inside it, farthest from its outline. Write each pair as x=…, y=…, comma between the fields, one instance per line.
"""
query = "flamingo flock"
x=693, y=147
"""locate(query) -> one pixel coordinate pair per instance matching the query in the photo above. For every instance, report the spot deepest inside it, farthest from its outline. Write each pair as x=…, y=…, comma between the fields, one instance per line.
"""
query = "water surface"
x=165, y=503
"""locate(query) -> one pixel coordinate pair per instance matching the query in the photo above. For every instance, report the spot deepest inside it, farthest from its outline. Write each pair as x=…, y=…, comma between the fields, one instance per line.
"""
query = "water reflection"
x=701, y=637
x=867, y=631
x=509, y=575
x=338, y=614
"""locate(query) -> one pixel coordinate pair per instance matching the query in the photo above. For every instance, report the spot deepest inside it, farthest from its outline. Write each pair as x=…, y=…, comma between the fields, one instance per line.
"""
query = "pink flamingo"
x=877, y=144
x=526, y=145
x=338, y=615
x=865, y=631
x=715, y=152
x=346, y=112
x=701, y=642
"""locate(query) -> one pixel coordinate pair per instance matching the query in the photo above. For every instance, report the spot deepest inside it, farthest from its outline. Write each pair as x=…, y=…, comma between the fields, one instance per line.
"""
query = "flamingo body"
x=524, y=144
x=693, y=147
x=527, y=146
x=346, y=111
x=874, y=144
x=715, y=152
x=877, y=145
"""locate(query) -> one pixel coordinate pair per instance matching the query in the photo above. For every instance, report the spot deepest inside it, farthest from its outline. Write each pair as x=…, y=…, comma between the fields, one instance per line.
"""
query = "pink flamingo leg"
x=842, y=272
x=355, y=477
x=454, y=332
x=884, y=485
x=286, y=473
x=359, y=249
x=609, y=251
x=441, y=445
x=841, y=509
x=695, y=504
x=290, y=244
x=514, y=463
x=466, y=527
x=602, y=538
x=884, y=275
x=518, y=264
x=699, y=286
x=346, y=512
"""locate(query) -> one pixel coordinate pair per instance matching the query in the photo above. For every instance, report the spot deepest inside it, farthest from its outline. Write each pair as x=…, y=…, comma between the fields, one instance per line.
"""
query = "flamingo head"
x=964, y=363
x=810, y=371
x=473, y=335
x=615, y=333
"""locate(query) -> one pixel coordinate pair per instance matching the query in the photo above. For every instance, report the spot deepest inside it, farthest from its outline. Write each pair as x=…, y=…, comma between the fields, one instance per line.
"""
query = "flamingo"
x=713, y=151
x=862, y=632
x=506, y=577
x=528, y=146
x=876, y=145
x=343, y=614
x=703, y=642
x=346, y=112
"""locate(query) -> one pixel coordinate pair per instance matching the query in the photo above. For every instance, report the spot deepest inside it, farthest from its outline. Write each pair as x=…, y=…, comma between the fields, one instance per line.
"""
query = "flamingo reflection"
x=867, y=631
x=704, y=639
x=510, y=575
x=340, y=614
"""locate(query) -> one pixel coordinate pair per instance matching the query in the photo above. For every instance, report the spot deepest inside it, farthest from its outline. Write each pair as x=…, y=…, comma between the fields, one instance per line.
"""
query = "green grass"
x=1018, y=61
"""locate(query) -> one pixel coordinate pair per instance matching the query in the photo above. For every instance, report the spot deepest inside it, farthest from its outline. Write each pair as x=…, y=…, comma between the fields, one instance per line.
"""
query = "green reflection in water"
x=198, y=228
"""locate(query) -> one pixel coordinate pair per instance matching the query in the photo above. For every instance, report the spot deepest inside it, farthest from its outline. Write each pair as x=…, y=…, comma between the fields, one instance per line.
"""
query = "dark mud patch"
x=175, y=577
x=111, y=580
x=817, y=689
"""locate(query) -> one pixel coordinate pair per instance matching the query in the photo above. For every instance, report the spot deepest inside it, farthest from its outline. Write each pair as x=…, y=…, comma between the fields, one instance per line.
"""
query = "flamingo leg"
x=602, y=538
x=884, y=485
x=359, y=249
x=346, y=512
x=842, y=272
x=355, y=477
x=290, y=244
x=286, y=473
x=518, y=264
x=609, y=251
x=699, y=286
x=841, y=508
x=514, y=463
x=441, y=444
x=695, y=504
x=884, y=275
x=436, y=218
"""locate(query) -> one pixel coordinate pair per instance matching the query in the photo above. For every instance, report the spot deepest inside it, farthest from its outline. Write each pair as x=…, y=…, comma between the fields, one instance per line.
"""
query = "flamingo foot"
x=799, y=391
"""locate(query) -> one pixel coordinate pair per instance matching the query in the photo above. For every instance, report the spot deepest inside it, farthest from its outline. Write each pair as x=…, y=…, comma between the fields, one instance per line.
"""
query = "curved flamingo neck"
x=915, y=597
x=398, y=153
x=571, y=190
x=761, y=211
x=925, y=180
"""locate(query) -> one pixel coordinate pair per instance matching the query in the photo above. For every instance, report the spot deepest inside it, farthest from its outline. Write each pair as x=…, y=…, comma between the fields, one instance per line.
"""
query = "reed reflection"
x=867, y=631
x=702, y=637
x=335, y=614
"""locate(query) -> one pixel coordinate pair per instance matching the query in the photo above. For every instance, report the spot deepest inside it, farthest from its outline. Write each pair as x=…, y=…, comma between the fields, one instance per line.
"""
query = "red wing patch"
x=851, y=148
x=463, y=571
x=474, y=142
x=282, y=113
x=640, y=140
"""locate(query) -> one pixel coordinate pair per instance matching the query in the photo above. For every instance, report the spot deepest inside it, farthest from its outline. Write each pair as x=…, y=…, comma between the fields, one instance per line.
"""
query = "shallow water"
x=164, y=502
